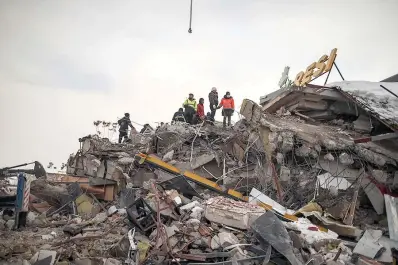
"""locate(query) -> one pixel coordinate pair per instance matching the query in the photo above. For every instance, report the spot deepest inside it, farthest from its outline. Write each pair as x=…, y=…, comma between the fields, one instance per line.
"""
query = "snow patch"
x=379, y=101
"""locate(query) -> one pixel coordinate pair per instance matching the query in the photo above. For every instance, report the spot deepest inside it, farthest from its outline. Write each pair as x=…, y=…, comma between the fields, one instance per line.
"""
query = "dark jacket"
x=178, y=116
x=213, y=98
x=124, y=124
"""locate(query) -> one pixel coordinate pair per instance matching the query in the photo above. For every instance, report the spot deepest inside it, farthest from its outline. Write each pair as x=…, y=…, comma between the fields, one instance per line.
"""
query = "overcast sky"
x=66, y=63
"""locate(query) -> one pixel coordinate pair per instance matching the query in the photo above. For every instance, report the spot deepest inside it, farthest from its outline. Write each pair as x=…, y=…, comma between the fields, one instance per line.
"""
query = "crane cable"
x=190, y=19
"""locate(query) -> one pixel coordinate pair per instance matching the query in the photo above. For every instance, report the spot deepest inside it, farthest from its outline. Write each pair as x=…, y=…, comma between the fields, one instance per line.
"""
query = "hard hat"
x=214, y=88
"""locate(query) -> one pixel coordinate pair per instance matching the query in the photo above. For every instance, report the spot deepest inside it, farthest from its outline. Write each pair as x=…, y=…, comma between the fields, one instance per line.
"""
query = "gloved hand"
x=214, y=106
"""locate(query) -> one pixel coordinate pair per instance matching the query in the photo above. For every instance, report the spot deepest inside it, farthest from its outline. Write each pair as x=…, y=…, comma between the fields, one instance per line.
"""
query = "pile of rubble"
x=278, y=187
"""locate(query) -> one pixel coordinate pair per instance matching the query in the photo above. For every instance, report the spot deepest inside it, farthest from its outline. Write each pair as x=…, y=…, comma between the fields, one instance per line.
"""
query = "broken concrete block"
x=306, y=151
x=232, y=213
x=279, y=158
x=284, y=174
x=392, y=214
x=329, y=157
x=362, y=124
x=288, y=142
x=194, y=223
x=346, y=159
x=215, y=242
x=100, y=218
x=327, y=181
x=189, y=206
x=372, y=157
x=197, y=213
x=44, y=257
x=168, y=156
x=227, y=239
x=10, y=224
x=127, y=160
x=374, y=194
x=380, y=176
x=369, y=245
x=201, y=160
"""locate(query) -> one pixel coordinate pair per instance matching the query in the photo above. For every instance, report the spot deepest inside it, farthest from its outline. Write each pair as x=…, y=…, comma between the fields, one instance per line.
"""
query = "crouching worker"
x=178, y=116
x=190, y=108
x=200, y=113
x=228, y=105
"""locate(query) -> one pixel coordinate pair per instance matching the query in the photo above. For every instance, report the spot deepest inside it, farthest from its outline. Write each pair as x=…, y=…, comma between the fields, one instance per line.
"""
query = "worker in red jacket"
x=201, y=109
x=228, y=104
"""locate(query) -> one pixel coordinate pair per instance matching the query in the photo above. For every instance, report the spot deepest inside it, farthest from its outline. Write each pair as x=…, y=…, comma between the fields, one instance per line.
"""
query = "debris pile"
x=279, y=186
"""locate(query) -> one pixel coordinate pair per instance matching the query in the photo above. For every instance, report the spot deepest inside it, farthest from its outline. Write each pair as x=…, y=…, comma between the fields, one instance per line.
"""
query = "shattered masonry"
x=301, y=178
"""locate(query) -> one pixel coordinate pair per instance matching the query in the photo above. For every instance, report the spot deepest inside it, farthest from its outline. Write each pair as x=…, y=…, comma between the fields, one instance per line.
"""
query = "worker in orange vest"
x=228, y=105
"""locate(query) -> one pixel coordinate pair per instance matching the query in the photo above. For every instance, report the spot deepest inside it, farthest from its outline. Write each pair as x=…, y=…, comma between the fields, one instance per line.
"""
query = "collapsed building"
x=309, y=175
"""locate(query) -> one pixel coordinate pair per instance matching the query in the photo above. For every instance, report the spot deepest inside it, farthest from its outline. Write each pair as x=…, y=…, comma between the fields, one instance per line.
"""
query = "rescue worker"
x=124, y=124
x=146, y=128
x=213, y=100
x=190, y=108
x=201, y=109
x=209, y=117
x=178, y=116
x=228, y=104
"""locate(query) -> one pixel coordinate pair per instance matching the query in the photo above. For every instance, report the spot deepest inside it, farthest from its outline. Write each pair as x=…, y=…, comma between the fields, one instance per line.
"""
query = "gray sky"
x=64, y=64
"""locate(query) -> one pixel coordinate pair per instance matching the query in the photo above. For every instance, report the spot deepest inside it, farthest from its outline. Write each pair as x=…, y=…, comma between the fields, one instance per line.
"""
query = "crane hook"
x=190, y=19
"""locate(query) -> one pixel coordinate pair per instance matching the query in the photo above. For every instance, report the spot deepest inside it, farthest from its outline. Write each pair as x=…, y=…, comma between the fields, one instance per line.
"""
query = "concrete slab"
x=232, y=213
x=369, y=245
x=392, y=216
x=327, y=181
x=374, y=194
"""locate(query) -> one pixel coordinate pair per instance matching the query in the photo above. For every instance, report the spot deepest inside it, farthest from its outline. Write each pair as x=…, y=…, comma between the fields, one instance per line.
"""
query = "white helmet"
x=214, y=89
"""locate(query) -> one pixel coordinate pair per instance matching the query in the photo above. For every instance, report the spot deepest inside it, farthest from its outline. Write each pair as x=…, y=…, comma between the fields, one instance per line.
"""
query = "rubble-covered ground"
x=310, y=194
